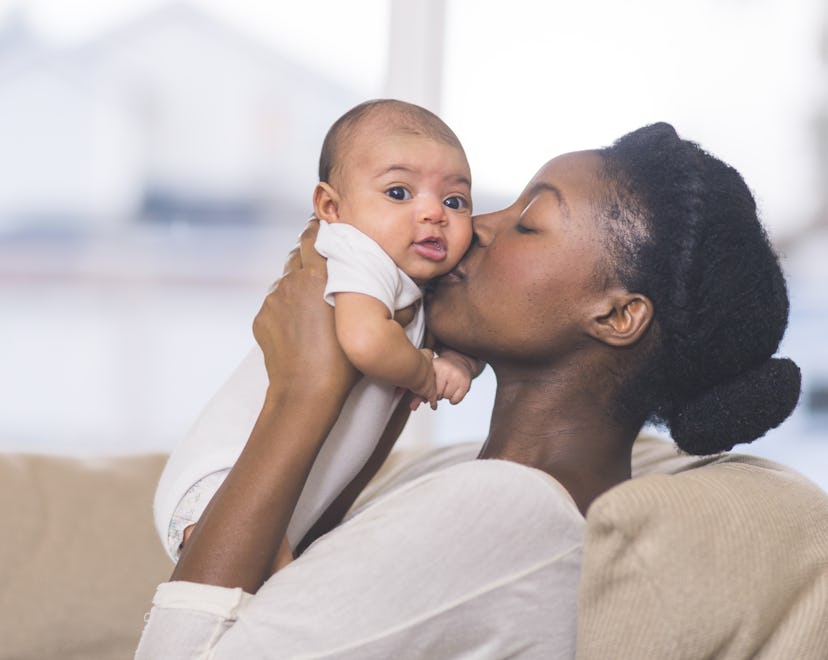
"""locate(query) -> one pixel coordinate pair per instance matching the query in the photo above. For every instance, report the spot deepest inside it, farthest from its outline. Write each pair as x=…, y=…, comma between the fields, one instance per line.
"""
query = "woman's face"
x=523, y=290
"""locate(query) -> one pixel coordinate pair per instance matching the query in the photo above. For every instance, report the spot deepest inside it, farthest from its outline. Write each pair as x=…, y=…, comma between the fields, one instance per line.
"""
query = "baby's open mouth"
x=433, y=248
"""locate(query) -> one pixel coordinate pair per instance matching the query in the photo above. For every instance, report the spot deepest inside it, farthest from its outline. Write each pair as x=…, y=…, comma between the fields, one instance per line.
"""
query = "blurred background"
x=157, y=161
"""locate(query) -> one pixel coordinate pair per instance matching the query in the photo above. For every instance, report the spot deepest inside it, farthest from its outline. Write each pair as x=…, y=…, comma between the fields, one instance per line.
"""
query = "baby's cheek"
x=461, y=245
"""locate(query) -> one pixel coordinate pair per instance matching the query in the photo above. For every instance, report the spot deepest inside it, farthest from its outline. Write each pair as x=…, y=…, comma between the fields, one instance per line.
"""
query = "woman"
x=628, y=284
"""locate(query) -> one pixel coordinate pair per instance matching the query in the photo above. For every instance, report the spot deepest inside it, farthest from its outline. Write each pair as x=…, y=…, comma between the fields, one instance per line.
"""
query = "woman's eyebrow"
x=542, y=186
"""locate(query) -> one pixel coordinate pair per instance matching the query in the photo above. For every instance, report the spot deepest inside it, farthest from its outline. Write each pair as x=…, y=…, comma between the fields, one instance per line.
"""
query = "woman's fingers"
x=295, y=326
x=308, y=255
x=293, y=263
x=303, y=252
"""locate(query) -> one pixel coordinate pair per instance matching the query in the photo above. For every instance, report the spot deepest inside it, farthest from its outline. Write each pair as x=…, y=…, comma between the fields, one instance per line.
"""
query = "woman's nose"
x=483, y=227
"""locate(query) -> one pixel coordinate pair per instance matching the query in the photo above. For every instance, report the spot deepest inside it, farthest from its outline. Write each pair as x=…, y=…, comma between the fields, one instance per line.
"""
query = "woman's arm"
x=239, y=534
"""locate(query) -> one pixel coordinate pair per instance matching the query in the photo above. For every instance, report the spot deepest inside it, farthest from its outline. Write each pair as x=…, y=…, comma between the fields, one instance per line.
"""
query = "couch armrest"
x=80, y=558
x=724, y=560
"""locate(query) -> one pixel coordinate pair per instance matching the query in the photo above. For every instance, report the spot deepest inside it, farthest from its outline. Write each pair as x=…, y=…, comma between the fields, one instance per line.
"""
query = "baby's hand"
x=453, y=379
x=453, y=373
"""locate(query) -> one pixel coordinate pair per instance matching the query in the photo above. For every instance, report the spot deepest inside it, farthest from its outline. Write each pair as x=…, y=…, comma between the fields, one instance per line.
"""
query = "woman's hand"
x=295, y=330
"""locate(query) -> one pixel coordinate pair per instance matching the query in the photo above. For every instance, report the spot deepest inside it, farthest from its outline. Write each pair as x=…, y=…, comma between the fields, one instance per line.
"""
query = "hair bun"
x=738, y=410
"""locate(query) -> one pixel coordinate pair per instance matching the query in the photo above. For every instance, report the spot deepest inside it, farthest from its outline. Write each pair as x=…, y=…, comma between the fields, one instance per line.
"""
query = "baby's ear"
x=326, y=202
x=622, y=318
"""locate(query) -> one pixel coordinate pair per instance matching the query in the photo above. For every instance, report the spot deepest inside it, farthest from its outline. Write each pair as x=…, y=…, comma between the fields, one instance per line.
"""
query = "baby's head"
x=398, y=173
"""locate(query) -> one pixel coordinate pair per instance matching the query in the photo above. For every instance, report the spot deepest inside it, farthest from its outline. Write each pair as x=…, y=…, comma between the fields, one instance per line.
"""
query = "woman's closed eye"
x=398, y=193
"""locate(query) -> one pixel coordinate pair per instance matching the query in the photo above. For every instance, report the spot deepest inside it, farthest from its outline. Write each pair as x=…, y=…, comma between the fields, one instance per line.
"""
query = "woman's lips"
x=432, y=248
x=455, y=275
x=451, y=278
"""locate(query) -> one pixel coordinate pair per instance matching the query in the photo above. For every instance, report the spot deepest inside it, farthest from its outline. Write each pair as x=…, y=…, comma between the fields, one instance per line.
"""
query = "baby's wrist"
x=425, y=372
x=467, y=364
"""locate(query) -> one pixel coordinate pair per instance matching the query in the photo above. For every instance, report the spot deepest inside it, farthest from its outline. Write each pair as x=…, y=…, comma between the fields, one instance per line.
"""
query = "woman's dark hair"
x=683, y=230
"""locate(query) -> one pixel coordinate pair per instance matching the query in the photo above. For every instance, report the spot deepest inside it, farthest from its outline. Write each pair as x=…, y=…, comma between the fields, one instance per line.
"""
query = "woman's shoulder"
x=499, y=494
x=501, y=484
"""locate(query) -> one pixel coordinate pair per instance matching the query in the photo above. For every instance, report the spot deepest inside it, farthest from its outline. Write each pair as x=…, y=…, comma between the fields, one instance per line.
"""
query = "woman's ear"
x=326, y=202
x=622, y=318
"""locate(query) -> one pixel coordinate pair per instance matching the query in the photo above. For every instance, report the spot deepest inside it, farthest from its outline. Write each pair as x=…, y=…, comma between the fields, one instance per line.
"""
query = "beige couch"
x=719, y=558
x=79, y=559
x=724, y=558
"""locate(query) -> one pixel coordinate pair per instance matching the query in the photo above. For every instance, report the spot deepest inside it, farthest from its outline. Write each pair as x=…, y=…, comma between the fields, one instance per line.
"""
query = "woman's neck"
x=546, y=423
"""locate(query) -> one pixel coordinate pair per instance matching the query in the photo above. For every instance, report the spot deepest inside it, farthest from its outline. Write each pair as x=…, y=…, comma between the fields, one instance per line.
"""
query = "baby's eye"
x=399, y=193
x=456, y=203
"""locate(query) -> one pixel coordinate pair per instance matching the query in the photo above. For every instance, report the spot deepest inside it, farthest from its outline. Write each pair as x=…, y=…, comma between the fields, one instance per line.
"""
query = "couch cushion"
x=728, y=559
x=80, y=559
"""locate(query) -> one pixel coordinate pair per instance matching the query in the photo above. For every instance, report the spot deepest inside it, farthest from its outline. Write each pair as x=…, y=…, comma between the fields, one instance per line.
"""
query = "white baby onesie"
x=356, y=263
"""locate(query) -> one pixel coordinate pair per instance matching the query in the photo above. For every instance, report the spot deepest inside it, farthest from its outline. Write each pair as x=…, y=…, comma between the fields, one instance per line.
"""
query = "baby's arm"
x=378, y=346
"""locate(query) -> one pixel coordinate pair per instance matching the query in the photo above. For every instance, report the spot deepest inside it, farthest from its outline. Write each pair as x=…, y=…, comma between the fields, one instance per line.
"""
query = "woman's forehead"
x=575, y=169
x=574, y=178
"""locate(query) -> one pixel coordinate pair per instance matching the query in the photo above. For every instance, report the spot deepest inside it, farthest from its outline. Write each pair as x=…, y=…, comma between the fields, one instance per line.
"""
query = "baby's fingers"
x=456, y=392
x=458, y=396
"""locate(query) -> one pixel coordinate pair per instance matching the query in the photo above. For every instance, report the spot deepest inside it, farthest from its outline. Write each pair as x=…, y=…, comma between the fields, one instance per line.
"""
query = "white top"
x=215, y=441
x=476, y=560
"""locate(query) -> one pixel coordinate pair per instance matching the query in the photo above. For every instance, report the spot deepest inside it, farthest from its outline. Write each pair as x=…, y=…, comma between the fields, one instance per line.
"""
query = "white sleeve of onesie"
x=357, y=264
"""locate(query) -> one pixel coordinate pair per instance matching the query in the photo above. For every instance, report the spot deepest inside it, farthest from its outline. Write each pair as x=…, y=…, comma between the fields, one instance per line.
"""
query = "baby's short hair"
x=396, y=115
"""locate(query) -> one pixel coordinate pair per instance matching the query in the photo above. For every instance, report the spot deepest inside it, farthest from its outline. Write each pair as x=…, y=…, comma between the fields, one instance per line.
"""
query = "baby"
x=394, y=199
x=394, y=204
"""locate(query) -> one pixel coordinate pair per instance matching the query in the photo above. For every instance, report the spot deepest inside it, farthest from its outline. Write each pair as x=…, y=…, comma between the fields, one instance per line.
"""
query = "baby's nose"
x=432, y=210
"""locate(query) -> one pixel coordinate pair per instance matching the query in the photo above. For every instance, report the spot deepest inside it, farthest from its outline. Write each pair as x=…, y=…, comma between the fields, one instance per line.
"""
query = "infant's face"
x=412, y=195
